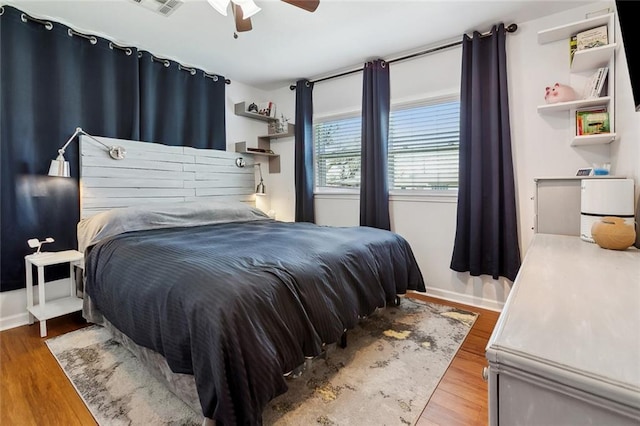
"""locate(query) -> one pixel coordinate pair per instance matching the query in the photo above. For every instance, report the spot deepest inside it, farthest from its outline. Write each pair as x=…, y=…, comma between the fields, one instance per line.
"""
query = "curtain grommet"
x=92, y=39
x=1, y=10
x=127, y=50
x=47, y=24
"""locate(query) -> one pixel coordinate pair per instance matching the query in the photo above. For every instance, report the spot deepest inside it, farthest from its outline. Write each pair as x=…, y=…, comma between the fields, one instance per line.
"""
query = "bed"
x=221, y=300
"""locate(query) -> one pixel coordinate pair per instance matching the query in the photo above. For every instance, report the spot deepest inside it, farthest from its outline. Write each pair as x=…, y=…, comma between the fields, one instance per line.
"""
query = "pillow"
x=159, y=215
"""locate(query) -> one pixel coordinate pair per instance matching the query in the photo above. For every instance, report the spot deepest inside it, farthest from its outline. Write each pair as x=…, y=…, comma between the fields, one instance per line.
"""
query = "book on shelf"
x=592, y=121
x=602, y=78
x=573, y=46
x=595, y=84
x=594, y=37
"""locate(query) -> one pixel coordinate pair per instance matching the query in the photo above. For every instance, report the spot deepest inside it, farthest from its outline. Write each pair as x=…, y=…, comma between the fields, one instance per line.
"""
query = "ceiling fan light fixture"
x=220, y=5
x=249, y=8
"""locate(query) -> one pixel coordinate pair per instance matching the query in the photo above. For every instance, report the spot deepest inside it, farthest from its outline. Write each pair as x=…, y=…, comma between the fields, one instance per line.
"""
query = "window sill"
x=397, y=195
x=424, y=196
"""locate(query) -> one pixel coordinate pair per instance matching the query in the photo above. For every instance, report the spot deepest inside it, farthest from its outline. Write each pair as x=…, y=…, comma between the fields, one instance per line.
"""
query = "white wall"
x=541, y=147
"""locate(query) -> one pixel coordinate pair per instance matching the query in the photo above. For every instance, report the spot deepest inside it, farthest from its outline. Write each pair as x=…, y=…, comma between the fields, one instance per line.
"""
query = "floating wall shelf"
x=566, y=106
x=241, y=110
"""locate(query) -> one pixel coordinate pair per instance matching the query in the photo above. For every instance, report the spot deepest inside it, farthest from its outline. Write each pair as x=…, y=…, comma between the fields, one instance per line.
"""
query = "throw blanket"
x=239, y=304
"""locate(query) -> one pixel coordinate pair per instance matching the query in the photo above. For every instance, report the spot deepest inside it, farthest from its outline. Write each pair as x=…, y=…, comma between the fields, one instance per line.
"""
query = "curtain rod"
x=510, y=29
x=93, y=40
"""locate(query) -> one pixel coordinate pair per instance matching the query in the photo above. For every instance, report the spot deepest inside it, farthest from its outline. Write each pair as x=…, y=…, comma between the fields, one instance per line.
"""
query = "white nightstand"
x=54, y=308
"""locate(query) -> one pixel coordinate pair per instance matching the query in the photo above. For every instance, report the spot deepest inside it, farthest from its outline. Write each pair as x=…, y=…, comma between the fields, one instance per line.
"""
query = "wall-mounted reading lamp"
x=60, y=167
x=260, y=189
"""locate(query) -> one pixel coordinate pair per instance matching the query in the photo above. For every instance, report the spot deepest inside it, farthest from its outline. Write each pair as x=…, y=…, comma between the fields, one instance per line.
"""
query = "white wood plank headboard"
x=153, y=172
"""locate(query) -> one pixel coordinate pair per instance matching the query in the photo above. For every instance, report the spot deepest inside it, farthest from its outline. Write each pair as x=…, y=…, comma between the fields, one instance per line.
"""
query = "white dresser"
x=566, y=348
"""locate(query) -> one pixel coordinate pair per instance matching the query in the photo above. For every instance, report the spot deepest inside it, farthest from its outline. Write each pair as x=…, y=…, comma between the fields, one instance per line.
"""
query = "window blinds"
x=423, y=148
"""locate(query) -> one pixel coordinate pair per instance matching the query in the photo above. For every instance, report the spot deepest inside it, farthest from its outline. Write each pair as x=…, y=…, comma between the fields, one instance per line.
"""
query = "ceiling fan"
x=243, y=10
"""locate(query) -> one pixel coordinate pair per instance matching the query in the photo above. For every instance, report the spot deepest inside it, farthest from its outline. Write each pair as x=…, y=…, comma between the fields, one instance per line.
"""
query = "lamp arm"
x=116, y=152
x=79, y=131
x=260, y=170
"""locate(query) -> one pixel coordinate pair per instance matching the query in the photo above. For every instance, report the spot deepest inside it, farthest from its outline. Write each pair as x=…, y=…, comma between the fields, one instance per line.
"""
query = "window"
x=337, y=153
x=423, y=148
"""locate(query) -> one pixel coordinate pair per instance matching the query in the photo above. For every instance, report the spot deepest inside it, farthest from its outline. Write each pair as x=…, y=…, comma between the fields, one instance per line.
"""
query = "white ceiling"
x=287, y=43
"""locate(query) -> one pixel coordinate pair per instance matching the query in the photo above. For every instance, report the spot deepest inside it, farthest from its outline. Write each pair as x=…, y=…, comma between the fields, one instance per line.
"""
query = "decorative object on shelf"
x=60, y=166
x=260, y=150
x=252, y=108
x=267, y=109
x=35, y=243
x=260, y=189
x=280, y=125
x=559, y=93
x=587, y=171
x=613, y=233
x=601, y=169
x=594, y=37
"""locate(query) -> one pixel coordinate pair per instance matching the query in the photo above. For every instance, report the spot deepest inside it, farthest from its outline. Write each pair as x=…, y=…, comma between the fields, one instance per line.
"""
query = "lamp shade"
x=220, y=5
x=59, y=167
x=249, y=8
x=261, y=189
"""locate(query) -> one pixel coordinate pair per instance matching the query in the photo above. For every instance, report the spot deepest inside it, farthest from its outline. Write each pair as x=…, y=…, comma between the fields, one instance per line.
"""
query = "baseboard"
x=13, y=304
x=13, y=321
x=465, y=299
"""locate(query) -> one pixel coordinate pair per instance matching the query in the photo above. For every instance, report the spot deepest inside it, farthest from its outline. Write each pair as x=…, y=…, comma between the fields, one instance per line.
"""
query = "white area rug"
x=386, y=375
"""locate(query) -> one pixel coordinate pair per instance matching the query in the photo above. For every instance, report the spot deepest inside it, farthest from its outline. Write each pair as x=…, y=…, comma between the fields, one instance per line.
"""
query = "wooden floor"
x=35, y=391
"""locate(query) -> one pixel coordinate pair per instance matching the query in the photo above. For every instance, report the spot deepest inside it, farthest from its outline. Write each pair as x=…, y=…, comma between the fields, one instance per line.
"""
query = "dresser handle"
x=485, y=373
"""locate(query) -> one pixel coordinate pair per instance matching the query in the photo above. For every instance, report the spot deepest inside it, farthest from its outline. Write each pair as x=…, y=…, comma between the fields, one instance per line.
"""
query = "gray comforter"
x=239, y=304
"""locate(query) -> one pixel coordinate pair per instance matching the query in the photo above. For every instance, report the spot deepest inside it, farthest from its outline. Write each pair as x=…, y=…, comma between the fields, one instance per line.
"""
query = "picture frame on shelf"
x=587, y=171
x=268, y=109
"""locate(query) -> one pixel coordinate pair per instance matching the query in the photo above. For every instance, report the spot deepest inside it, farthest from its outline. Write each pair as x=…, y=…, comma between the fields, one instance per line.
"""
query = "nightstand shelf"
x=56, y=308
x=47, y=309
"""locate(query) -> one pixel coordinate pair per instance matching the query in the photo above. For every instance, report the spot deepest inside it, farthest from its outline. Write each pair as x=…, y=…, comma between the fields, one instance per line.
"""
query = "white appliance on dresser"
x=566, y=348
x=604, y=197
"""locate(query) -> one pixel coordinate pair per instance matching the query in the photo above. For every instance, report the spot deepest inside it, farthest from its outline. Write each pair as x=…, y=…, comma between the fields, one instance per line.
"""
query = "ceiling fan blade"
x=308, y=5
x=241, y=24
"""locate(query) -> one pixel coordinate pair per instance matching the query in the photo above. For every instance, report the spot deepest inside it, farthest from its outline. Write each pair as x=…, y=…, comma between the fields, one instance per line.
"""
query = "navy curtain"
x=50, y=84
x=180, y=106
x=374, y=184
x=486, y=239
x=304, y=152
